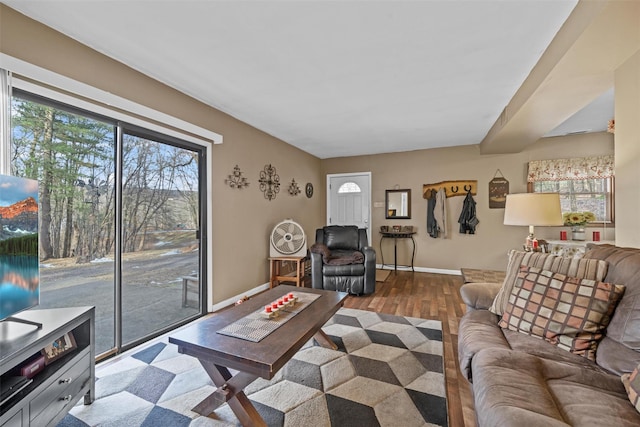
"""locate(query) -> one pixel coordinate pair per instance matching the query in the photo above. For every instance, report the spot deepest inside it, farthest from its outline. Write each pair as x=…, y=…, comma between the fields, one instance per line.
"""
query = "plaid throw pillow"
x=593, y=269
x=632, y=385
x=567, y=312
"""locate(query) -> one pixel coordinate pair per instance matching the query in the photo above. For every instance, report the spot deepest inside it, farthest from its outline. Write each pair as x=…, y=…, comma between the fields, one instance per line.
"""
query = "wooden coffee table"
x=218, y=353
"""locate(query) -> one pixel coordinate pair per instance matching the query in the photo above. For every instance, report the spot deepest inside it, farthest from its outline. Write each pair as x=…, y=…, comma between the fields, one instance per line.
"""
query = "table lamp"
x=533, y=209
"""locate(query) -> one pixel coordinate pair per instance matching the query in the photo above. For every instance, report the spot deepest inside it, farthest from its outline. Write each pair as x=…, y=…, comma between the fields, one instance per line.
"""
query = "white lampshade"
x=533, y=209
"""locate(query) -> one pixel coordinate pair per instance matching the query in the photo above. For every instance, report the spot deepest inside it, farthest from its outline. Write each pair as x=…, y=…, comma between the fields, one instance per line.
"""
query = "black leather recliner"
x=341, y=260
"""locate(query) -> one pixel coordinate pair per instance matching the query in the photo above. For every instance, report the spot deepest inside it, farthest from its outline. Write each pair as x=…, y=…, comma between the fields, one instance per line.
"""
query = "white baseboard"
x=423, y=270
x=232, y=300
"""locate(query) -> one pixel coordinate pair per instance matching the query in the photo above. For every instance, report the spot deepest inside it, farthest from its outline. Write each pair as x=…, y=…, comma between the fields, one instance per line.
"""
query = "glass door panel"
x=72, y=157
x=160, y=236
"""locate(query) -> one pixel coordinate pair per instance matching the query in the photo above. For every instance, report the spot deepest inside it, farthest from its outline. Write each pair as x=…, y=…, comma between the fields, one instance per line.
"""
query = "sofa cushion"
x=625, y=269
x=478, y=330
x=593, y=269
x=614, y=356
x=512, y=388
x=565, y=311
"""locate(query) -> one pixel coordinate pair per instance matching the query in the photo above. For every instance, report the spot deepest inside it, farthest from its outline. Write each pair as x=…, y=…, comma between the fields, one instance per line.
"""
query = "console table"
x=55, y=389
x=395, y=235
x=572, y=248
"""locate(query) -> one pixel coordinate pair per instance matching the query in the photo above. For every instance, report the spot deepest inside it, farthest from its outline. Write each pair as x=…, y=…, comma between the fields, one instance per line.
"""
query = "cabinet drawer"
x=63, y=391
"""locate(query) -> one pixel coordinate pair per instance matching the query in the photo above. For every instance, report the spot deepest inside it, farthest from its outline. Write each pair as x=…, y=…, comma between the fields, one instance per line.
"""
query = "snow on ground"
x=173, y=252
x=99, y=260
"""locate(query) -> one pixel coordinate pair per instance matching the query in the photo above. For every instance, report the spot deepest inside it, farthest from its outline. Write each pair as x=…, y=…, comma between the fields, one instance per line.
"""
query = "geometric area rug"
x=387, y=371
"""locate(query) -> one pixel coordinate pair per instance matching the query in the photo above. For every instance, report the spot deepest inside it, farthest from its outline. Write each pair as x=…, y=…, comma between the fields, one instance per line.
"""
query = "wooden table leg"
x=230, y=390
x=322, y=339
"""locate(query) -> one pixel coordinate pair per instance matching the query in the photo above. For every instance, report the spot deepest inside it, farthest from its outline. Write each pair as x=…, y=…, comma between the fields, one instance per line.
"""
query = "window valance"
x=575, y=168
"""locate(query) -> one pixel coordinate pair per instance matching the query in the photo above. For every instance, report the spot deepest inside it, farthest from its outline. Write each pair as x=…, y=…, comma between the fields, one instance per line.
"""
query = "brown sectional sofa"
x=519, y=380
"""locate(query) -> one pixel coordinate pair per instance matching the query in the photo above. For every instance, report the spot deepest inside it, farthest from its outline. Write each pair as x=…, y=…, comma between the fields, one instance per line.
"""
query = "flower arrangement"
x=577, y=218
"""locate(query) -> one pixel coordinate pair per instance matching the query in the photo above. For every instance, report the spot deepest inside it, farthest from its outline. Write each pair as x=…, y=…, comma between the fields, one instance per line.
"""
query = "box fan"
x=288, y=239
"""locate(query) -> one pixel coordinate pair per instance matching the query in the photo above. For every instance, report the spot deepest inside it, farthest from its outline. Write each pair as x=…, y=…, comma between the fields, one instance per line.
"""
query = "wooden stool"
x=297, y=276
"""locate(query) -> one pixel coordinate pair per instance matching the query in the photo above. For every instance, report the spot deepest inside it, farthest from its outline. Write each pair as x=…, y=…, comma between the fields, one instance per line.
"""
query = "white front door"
x=349, y=200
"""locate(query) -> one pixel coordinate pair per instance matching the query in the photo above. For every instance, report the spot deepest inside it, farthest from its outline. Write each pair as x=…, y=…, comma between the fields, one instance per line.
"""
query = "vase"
x=577, y=233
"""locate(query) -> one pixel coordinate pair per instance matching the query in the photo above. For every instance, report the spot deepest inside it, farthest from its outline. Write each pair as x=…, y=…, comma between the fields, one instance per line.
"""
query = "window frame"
x=610, y=199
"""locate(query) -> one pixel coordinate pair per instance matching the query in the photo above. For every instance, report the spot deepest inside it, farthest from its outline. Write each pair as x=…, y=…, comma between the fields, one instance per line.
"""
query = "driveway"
x=151, y=291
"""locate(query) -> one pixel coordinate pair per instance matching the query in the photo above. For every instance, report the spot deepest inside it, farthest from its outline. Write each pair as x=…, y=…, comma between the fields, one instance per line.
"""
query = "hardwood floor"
x=429, y=296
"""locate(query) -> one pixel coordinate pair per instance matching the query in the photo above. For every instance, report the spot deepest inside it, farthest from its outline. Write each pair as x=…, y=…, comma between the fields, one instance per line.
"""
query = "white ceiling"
x=332, y=78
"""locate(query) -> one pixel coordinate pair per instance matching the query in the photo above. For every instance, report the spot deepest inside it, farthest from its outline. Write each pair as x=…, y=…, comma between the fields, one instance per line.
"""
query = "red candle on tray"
x=285, y=299
x=268, y=309
x=274, y=305
x=290, y=295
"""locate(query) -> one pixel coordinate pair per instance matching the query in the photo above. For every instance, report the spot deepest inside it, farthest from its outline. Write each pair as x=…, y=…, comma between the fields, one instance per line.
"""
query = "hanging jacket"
x=468, y=220
x=432, y=225
x=440, y=212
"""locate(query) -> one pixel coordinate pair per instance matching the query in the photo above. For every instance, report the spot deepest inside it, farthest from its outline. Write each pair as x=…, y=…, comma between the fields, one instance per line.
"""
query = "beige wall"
x=487, y=248
x=627, y=142
x=242, y=219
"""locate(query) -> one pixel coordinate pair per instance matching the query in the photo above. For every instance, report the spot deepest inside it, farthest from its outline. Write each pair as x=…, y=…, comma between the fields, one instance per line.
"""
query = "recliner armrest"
x=316, y=270
x=369, y=269
x=479, y=296
x=369, y=254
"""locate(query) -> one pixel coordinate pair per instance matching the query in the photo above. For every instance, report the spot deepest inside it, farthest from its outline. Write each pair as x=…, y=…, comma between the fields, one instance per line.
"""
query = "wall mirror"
x=398, y=204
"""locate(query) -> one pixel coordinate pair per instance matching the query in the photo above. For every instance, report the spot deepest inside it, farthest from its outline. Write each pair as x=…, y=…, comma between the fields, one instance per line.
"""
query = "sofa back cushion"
x=624, y=268
x=592, y=269
x=567, y=312
x=341, y=237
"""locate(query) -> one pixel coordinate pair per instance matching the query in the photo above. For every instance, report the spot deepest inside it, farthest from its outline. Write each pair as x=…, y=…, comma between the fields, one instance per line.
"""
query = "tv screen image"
x=19, y=266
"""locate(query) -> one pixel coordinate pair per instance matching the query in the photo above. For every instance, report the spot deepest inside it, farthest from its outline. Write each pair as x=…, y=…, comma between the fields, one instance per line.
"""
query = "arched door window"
x=349, y=187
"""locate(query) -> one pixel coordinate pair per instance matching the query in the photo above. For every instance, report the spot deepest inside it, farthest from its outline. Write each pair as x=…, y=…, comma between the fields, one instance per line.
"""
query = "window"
x=584, y=184
x=349, y=187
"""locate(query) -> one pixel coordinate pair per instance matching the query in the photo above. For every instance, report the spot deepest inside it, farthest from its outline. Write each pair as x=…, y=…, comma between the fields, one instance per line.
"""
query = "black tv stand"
x=24, y=321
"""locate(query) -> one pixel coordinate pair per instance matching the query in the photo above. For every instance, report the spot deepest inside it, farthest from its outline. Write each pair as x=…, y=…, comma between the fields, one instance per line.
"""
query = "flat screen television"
x=19, y=267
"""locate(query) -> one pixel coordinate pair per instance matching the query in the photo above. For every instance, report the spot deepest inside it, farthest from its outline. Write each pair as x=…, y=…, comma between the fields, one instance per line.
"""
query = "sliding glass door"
x=160, y=235
x=120, y=220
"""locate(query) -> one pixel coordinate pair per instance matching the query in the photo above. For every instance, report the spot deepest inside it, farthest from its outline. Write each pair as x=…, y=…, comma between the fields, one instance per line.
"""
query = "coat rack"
x=452, y=188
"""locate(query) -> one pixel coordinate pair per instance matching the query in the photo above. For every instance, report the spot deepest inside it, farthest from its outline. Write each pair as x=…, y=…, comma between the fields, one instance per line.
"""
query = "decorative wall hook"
x=269, y=182
x=236, y=180
x=452, y=188
x=294, y=189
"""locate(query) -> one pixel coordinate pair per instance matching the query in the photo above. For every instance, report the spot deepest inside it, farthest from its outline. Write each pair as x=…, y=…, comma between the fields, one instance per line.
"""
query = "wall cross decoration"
x=236, y=180
x=269, y=182
x=294, y=189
